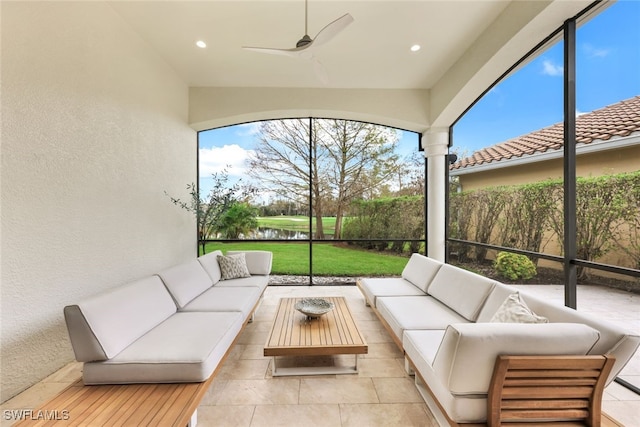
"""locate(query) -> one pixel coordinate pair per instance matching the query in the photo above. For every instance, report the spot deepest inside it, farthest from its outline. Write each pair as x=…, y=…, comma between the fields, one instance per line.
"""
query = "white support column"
x=436, y=146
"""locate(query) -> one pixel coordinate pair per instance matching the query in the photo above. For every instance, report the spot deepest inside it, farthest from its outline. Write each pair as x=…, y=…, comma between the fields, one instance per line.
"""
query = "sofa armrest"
x=547, y=388
x=467, y=354
x=86, y=346
x=258, y=262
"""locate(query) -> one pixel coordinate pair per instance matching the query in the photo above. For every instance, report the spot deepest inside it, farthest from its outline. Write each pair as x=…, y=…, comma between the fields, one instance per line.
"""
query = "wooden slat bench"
x=121, y=405
x=170, y=405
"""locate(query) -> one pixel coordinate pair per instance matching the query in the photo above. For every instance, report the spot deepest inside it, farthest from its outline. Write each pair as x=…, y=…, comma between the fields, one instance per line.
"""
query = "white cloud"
x=216, y=159
x=594, y=52
x=551, y=69
x=248, y=129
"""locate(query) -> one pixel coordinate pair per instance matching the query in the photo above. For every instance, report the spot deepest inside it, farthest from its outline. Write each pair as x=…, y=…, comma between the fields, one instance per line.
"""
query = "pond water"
x=279, y=233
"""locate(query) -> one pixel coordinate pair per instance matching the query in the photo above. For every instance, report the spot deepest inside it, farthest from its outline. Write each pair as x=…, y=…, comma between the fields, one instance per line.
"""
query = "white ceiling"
x=372, y=74
x=373, y=52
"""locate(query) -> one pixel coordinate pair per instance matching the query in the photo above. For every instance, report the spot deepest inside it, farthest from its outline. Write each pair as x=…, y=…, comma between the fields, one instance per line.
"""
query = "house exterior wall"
x=609, y=162
x=606, y=162
x=592, y=164
x=94, y=131
x=532, y=172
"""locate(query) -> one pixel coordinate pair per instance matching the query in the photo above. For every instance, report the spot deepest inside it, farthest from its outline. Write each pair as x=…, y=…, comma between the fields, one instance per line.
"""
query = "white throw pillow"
x=233, y=266
x=514, y=310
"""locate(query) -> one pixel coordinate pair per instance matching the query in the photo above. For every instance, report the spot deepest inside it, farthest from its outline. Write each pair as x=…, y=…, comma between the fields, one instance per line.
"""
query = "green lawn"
x=328, y=259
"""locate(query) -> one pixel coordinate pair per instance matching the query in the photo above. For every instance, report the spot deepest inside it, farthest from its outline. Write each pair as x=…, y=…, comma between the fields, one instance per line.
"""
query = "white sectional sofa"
x=452, y=324
x=172, y=327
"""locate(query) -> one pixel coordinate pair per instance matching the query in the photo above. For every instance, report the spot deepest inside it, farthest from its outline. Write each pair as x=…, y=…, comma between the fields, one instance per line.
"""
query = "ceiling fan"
x=306, y=46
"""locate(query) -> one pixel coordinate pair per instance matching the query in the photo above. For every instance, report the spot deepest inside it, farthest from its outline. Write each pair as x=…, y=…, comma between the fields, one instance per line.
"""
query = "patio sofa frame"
x=444, y=320
x=152, y=347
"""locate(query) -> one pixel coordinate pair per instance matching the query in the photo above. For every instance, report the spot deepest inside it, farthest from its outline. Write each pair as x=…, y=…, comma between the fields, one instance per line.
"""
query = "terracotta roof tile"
x=617, y=120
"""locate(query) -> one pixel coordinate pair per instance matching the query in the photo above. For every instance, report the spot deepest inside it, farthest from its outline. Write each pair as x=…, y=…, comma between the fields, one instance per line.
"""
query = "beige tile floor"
x=245, y=394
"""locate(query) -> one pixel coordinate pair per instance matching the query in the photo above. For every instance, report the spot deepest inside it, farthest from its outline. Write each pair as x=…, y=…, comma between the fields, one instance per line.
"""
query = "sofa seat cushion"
x=373, y=288
x=421, y=347
x=461, y=290
x=417, y=312
x=102, y=326
x=259, y=282
x=218, y=298
x=187, y=347
x=420, y=270
x=425, y=341
x=186, y=281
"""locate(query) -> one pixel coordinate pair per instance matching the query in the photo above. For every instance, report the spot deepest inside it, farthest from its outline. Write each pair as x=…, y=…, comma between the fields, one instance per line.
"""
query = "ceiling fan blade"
x=306, y=44
x=275, y=51
x=320, y=71
x=331, y=30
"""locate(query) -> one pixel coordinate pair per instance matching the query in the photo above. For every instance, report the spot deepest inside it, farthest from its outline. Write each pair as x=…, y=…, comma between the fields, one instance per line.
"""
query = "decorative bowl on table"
x=313, y=307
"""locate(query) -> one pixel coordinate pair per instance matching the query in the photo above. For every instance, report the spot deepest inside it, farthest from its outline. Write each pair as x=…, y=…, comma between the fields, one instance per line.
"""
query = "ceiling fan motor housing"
x=304, y=41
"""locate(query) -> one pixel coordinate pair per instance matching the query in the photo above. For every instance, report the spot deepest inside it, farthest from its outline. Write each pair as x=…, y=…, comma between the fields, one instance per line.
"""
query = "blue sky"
x=608, y=71
x=230, y=146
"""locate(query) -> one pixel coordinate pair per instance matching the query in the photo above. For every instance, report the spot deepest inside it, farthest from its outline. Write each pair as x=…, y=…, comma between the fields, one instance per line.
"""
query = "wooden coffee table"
x=334, y=333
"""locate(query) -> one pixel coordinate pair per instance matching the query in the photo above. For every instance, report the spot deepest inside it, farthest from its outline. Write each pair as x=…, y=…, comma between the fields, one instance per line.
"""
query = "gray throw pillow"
x=233, y=266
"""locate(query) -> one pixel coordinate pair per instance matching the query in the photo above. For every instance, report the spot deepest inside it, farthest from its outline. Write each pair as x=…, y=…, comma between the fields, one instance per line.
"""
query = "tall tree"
x=282, y=161
x=360, y=156
x=334, y=160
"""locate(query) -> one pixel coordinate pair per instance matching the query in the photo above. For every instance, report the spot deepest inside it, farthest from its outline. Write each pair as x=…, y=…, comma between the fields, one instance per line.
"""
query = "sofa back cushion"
x=461, y=290
x=496, y=298
x=420, y=271
x=186, y=281
x=468, y=351
x=210, y=264
x=611, y=335
x=258, y=262
x=614, y=340
x=102, y=326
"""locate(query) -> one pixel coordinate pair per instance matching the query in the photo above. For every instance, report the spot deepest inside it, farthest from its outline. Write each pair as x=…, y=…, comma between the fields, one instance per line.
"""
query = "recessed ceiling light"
x=201, y=44
x=415, y=48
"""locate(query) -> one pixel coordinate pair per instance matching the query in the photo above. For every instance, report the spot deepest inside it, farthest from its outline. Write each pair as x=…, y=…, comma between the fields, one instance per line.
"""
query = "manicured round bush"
x=514, y=266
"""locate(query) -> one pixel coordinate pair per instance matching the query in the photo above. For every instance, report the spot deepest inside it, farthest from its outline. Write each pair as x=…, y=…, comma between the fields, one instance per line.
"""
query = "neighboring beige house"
x=608, y=141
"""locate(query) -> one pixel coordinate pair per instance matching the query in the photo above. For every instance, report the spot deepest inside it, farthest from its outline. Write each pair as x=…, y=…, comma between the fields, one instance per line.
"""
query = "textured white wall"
x=211, y=107
x=93, y=132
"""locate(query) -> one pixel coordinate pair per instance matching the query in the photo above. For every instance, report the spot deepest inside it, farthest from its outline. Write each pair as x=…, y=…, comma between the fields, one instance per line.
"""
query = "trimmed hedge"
x=522, y=216
x=607, y=216
x=398, y=220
